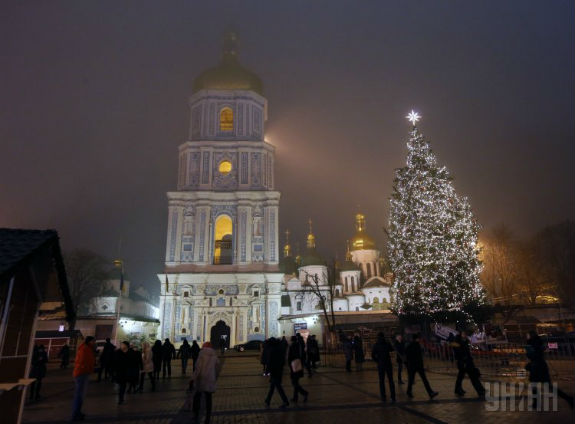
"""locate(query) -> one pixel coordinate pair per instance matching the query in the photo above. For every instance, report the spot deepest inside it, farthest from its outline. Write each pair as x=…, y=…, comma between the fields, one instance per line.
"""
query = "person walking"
x=83, y=367
x=295, y=362
x=414, y=355
x=265, y=357
x=358, y=352
x=157, y=355
x=106, y=359
x=135, y=366
x=64, y=356
x=539, y=370
x=185, y=353
x=223, y=344
x=304, y=358
x=122, y=369
x=147, y=367
x=275, y=368
x=204, y=380
x=399, y=346
x=195, y=351
x=347, y=350
x=168, y=353
x=284, y=343
x=381, y=355
x=313, y=351
x=465, y=365
x=38, y=370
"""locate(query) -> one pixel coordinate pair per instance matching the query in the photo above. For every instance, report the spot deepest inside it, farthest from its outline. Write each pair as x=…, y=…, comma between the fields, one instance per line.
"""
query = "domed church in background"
x=357, y=285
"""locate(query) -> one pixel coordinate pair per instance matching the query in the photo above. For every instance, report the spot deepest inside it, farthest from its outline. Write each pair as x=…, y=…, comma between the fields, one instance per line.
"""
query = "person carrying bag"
x=295, y=356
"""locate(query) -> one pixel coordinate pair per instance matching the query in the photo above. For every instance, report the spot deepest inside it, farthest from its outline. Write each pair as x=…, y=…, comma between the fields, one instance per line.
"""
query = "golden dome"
x=229, y=74
x=361, y=240
x=287, y=246
x=310, y=237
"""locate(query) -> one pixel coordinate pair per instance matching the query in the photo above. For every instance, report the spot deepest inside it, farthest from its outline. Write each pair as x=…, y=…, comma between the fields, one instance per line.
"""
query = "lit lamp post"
x=120, y=264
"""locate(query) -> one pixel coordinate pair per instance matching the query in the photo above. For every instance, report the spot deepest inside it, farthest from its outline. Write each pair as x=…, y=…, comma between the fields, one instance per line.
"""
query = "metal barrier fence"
x=501, y=360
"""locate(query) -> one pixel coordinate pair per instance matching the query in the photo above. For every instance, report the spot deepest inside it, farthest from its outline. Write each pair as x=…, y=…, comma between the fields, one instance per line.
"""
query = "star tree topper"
x=413, y=117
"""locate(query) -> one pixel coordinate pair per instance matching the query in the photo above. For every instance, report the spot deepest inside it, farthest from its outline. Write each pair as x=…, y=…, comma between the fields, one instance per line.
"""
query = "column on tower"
x=202, y=239
x=175, y=224
x=244, y=234
x=271, y=234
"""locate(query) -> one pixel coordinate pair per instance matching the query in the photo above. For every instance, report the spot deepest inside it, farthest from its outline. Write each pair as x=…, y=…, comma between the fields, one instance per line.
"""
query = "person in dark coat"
x=185, y=354
x=303, y=348
x=538, y=369
x=381, y=355
x=106, y=361
x=295, y=363
x=265, y=357
x=38, y=370
x=347, y=346
x=284, y=343
x=275, y=368
x=414, y=356
x=465, y=365
x=399, y=346
x=168, y=353
x=313, y=351
x=135, y=367
x=122, y=369
x=157, y=355
x=195, y=352
x=358, y=353
x=64, y=356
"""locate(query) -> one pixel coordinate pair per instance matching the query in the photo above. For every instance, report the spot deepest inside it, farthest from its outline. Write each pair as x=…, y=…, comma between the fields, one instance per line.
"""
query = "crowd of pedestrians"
x=128, y=366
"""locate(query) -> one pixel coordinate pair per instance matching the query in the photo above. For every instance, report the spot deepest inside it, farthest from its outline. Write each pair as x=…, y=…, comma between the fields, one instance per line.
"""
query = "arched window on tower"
x=223, y=240
x=369, y=270
x=226, y=119
x=352, y=284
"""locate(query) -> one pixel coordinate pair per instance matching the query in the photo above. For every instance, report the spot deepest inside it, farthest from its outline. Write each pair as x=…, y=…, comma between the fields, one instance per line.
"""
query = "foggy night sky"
x=93, y=106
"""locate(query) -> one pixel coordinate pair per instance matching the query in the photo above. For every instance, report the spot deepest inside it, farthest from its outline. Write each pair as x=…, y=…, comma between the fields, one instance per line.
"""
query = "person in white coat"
x=148, y=367
x=204, y=380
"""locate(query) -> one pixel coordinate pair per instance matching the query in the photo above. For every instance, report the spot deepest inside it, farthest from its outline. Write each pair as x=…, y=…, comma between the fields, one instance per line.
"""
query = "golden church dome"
x=311, y=257
x=228, y=74
x=361, y=240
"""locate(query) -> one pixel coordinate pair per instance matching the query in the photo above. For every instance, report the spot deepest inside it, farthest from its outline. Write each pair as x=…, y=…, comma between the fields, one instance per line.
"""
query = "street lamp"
x=120, y=264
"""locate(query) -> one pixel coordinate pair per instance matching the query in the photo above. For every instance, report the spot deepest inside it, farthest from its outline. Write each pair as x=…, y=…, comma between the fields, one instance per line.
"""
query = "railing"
x=224, y=244
x=505, y=360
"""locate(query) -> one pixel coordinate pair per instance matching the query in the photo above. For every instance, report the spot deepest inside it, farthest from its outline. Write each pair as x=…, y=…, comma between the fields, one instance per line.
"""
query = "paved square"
x=335, y=397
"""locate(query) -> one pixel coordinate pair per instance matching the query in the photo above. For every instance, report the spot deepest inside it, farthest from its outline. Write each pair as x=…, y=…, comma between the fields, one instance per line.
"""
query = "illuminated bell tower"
x=223, y=219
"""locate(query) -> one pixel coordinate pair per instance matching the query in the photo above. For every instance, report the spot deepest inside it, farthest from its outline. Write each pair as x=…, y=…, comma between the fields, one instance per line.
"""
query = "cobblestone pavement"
x=335, y=397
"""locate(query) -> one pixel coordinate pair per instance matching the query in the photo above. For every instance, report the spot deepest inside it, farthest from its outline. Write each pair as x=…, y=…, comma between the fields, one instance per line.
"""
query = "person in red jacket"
x=83, y=367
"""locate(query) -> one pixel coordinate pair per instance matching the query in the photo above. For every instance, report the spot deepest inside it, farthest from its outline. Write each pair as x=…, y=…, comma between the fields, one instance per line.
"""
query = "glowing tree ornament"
x=432, y=240
x=413, y=117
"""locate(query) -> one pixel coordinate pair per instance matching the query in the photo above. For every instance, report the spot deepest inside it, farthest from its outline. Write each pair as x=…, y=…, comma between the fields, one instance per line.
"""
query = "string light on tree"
x=432, y=239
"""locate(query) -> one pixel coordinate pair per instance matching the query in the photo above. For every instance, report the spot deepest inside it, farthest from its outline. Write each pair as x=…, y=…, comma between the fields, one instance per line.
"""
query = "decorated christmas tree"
x=432, y=241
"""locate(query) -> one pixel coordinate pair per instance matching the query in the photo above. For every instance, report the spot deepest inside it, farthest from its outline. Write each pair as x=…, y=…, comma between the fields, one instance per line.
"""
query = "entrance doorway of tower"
x=220, y=336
